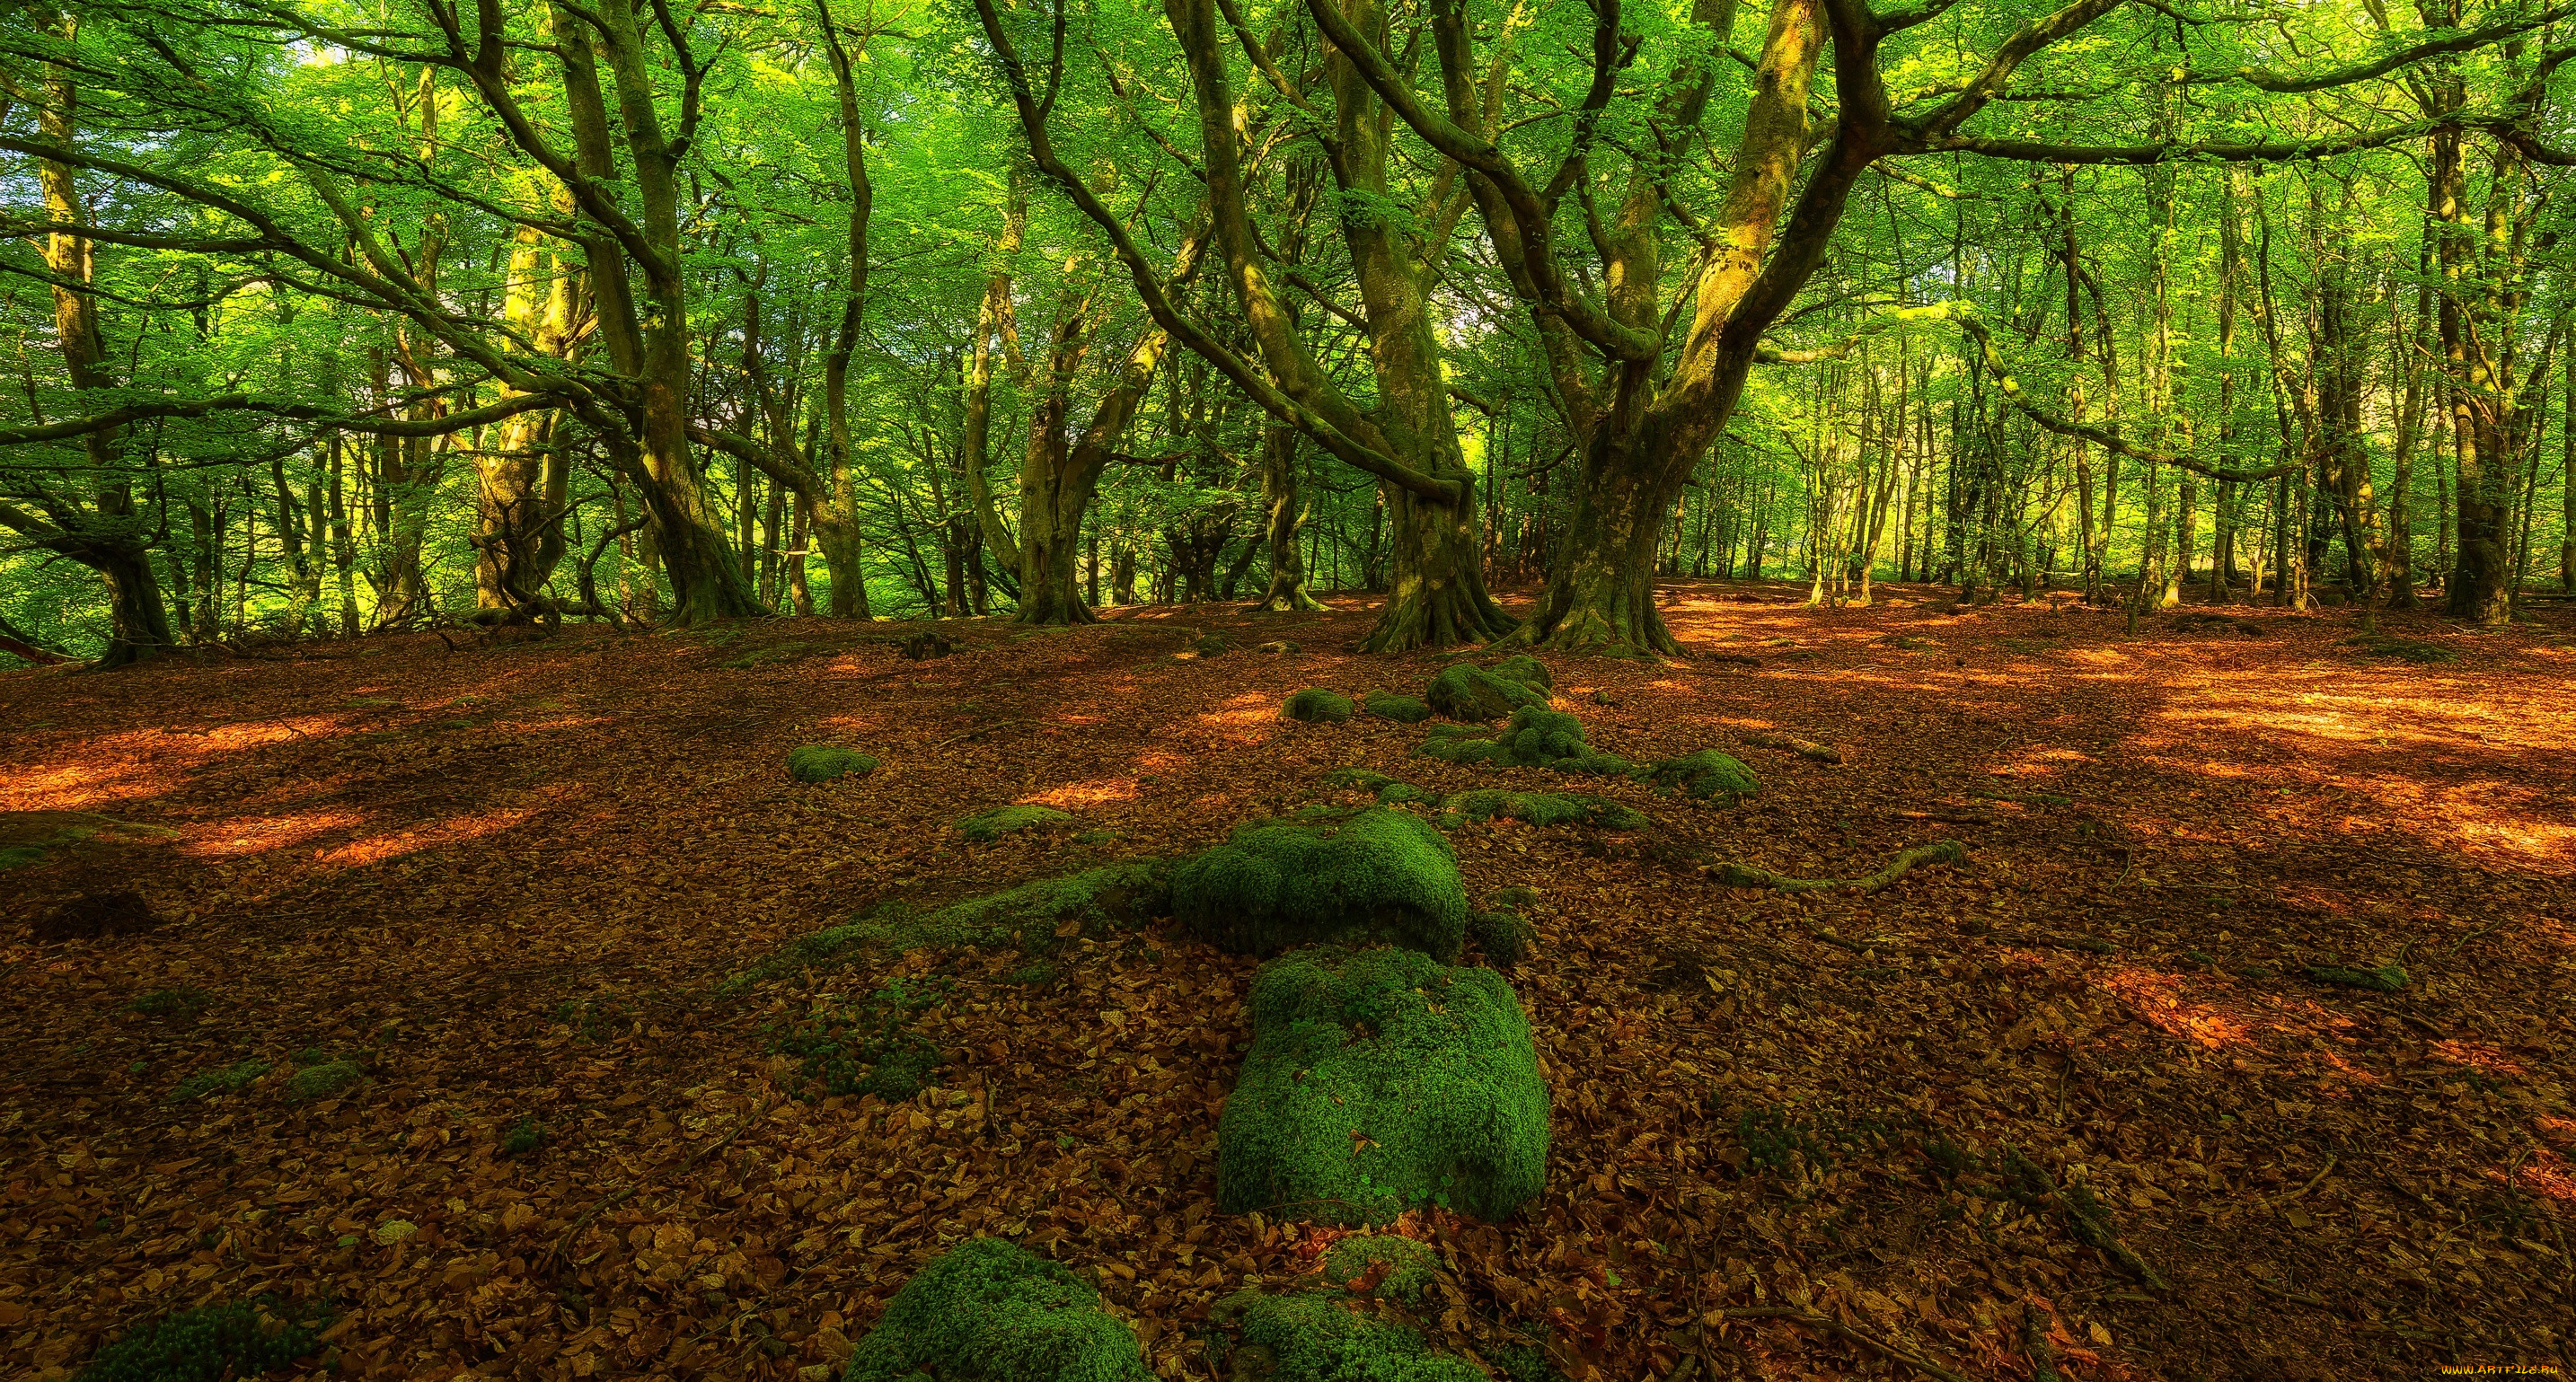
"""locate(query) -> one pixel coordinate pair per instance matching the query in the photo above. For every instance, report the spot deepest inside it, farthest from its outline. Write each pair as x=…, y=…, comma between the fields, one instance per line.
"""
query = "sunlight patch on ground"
x=2479, y=1055
x=1094, y=793
x=1238, y=712
x=2160, y=1001
x=2546, y=1174
x=375, y=849
x=259, y=834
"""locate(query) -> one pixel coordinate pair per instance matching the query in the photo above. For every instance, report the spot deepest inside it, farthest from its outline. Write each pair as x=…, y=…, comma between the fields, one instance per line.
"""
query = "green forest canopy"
x=334, y=317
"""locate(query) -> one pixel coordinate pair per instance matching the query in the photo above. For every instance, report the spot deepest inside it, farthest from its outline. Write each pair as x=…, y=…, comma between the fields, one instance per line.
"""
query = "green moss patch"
x=29, y=838
x=1355, y=779
x=1094, y=902
x=1382, y=1264
x=2387, y=978
x=1317, y=706
x=990, y=1311
x=322, y=1080
x=1540, y=808
x=1003, y=820
x=1213, y=645
x=210, y=1343
x=824, y=762
x=1536, y=737
x=1381, y=875
x=1705, y=775
x=1504, y=937
x=178, y=1005
x=1313, y=1337
x=867, y=1045
x=1527, y=670
x=1404, y=710
x=227, y=1080
x=1465, y=691
x=1380, y=1080
x=2402, y=649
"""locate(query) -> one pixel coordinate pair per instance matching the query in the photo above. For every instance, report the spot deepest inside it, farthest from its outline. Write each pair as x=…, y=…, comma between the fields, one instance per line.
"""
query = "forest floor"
x=503, y=880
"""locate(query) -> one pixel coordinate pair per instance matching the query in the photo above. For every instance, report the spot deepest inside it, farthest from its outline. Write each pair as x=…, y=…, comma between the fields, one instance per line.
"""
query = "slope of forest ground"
x=502, y=879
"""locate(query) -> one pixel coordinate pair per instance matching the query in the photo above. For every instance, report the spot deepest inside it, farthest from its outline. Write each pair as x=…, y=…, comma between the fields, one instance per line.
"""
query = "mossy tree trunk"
x=1284, y=515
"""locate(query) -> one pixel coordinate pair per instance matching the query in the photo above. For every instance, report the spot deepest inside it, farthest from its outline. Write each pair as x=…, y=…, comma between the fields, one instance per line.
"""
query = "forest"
x=1336, y=690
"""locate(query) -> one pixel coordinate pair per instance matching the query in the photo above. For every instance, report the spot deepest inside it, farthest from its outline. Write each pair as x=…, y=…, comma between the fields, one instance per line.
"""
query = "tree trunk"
x=1283, y=516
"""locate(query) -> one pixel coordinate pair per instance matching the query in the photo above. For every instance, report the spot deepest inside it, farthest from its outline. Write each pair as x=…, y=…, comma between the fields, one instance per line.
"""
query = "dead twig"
x=1811, y=1320
x=1746, y=876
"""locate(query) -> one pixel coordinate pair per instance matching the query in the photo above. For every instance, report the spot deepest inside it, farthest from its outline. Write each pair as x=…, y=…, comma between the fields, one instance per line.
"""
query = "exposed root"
x=1809, y=1319
x=2092, y=1227
x=1746, y=876
x=1804, y=748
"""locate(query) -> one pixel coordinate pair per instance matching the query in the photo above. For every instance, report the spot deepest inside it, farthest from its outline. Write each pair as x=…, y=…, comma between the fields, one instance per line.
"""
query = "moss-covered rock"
x=1213, y=645
x=1502, y=935
x=1540, y=808
x=1381, y=875
x=1360, y=779
x=990, y=1311
x=1317, y=706
x=1002, y=820
x=1536, y=738
x=1404, y=710
x=1706, y=774
x=1380, y=1080
x=1314, y=1337
x=824, y=762
x=1465, y=691
x=1527, y=670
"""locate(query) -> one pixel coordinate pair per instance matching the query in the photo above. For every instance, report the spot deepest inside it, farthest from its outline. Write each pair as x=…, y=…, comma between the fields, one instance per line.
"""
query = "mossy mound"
x=1539, y=808
x=1527, y=670
x=321, y=1081
x=990, y=1311
x=1361, y=779
x=1214, y=645
x=1536, y=738
x=868, y=1045
x=1381, y=875
x=2403, y=649
x=824, y=762
x=225, y=1080
x=1317, y=706
x=1382, y=1264
x=210, y=1343
x=1404, y=710
x=2387, y=978
x=1002, y=820
x=1110, y=898
x=1503, y=936
x=1705, y=775
x=1313, y=1337
x=1465, y=691
x=1380, y=1080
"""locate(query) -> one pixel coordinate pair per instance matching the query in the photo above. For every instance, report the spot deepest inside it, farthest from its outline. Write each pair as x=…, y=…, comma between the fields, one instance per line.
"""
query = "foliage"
x=1381, y=875
x=210, y=1343
x=990, y=1311
x=1380, y=1080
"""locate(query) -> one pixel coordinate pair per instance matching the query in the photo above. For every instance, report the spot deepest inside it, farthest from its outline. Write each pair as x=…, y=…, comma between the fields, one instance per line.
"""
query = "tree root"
x=1826, y=1324
x=2034, y=1341
x=2092, y=1227
x=1804, y=748
x=1746, y=876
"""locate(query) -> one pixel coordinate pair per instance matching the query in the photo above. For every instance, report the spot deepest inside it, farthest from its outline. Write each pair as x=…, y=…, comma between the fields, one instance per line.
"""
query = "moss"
x=322, y=1081
x=1099, y=901
x=1317, y=706
x=1527, y=670
x=523, y=1136
x=774, y=653
x=1381, y=875
x=1502, y=935
x=1382, y=1264
x=824, y=762
x=1312, y=1337
x=1542, y=808
x=2387, y=978
x=867, y=1045
x=1361, y=779
x=224, y=1081
x=1536, y=738
x=1214, y=645
x=1404, y=710
x=1465, y=691
x=21, y=857
x=210, y=1343
x=1706, y=774
x=987, y=1309
x=2403, y=649
x=1398, y=793
x=1380, y=1080
x=1002, y=820
x=179, y=1005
